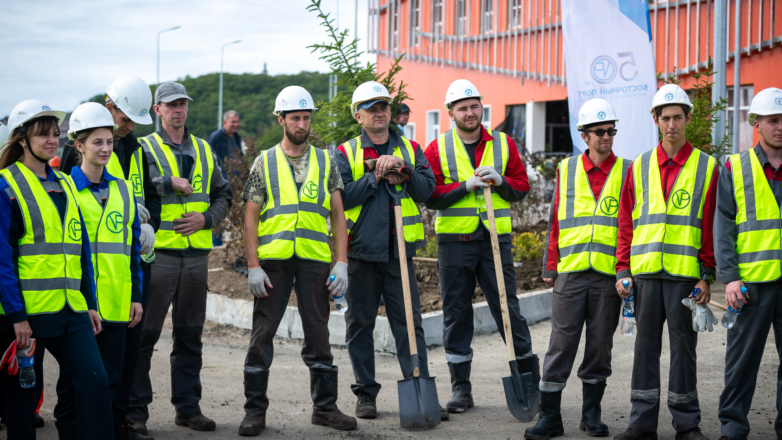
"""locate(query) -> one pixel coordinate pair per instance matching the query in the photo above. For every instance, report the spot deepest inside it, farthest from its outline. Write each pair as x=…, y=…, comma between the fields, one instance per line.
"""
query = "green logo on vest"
x=114, y=222
x=197, y=184
x=681, y=199
x=74, y=230
x=311, y=190
x=136, y=181
x=609, y=206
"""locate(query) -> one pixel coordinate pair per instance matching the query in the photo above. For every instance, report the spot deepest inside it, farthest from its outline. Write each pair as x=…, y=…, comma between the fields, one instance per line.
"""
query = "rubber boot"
x=256, y=381
x=590, y=411
x=323, y=387
x=461, y=387
x=67, y=429
x=550, y=420
x=531, y=364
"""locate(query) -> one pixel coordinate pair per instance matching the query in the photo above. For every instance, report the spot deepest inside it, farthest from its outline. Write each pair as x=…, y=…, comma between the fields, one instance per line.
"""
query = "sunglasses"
x=601, y=132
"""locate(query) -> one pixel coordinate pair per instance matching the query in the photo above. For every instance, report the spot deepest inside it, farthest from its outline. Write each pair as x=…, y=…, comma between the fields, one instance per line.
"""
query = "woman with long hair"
x=46, y=277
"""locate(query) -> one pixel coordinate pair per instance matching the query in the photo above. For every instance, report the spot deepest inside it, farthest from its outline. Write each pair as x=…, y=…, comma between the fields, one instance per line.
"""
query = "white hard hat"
x=133, y=96
x=670, y=94
x=29, y=110
x=461, y=89
x=369, y=91
x=3, y=137
x=89, y=115
x=293, y=99
x=595, y=111
x=766, y=102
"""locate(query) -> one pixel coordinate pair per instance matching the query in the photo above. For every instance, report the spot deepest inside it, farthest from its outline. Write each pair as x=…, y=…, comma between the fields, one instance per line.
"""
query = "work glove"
x=704, y=318
x=147, y=239
x=402, y=170
x=258, y=281
x=339, y=286
x=489, y=175
x=143, y=213
x=475, y=182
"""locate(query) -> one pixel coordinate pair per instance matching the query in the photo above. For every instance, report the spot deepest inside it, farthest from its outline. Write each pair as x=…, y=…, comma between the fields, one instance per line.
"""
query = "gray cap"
x=170, y=91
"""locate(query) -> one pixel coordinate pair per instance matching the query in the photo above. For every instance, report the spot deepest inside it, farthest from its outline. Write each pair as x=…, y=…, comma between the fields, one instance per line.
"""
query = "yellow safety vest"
x=411, y=217
x=463, y=216
x=49, y=262
x=667, y=235
x=758, y=219
x=294, y=221
x=135, y=177
x=110, y=229
x=588, y=230
x=174, y=205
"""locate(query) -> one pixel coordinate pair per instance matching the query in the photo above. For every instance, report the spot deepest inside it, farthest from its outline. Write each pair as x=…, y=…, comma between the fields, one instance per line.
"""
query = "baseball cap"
x=367, y=104
x=403, y=108
x=170, y=91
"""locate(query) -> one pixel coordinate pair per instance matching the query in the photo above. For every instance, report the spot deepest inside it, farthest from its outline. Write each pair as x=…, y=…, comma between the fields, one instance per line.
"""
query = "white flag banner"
x=609, y=55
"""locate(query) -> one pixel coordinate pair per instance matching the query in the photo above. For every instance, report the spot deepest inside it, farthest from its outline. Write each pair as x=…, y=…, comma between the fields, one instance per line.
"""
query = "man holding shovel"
x=580, y=263
x=373, y=255
x=466, y=160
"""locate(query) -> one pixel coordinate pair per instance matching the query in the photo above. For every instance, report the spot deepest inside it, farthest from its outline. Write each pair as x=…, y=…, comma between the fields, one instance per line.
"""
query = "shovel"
x=419, y=408
x=520, y=392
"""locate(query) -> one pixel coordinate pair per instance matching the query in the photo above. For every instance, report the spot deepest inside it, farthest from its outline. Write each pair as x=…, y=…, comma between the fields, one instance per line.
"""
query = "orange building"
x=512, y=51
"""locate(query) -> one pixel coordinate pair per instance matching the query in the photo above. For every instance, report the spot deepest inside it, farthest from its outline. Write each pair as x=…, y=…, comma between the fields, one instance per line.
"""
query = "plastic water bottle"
x=628, y=311
x=729, y=318
x=339, y=301
x=26, y=364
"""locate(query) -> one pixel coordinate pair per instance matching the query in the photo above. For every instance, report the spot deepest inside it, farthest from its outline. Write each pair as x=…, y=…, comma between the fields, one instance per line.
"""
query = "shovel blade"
x=522, y=395
x=419, y=408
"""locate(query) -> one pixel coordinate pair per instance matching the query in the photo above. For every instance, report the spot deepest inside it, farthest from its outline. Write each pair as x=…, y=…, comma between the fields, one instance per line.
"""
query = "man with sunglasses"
x=666, y=252
x=580, y=263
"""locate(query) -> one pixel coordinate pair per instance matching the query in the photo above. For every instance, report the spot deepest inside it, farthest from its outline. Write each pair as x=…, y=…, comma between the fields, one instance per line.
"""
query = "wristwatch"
x=708, y=277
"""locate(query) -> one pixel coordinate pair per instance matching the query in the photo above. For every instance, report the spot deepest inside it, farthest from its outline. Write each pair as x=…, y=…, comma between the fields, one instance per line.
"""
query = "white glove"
x=339, y=286
x=476, y=182
x=147, y=239
x=704, y=319
x=489, y=174
x=257, y=281
x=143, y=213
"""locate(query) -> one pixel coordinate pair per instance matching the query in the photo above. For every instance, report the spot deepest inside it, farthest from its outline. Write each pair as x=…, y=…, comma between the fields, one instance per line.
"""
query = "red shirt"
x=669, y=170
x=597, y=176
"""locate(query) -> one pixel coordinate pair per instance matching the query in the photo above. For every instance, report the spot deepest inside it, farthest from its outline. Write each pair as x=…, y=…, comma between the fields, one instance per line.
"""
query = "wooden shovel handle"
x=400, y=240
x=495, y=248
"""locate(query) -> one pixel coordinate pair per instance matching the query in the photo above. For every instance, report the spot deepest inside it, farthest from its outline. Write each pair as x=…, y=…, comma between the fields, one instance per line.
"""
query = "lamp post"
x=157, y=118
x=220, y=94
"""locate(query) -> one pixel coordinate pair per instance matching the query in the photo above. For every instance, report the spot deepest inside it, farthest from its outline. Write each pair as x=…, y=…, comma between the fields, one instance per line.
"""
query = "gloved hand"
x=401, y=170
x=143, y=213
x=339, y=286
x=476, y=182
x=258, y=281
x=704, y=318
x=489, y=174
x=147, y=239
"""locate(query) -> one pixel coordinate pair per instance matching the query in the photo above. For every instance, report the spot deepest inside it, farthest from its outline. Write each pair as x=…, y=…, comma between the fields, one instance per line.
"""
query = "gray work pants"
x=581, y=297
x=177, y=282
x=658, y=301
x=369, y=281
x=746, y=341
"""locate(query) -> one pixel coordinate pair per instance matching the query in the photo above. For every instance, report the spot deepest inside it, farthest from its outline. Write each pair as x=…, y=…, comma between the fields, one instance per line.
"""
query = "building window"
x=395, y=44
x=437, y=17
x=409, y=130
x=486, y=120
x=461, y=18
x=487, y=16
x=745, y=131
x=432, y=125
x=514, y=13
x=415, y=22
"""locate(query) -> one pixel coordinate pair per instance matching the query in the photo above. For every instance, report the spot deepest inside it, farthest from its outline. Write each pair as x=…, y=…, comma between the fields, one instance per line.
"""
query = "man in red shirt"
x=666, y=250
x=464, y=161
x=581, y=257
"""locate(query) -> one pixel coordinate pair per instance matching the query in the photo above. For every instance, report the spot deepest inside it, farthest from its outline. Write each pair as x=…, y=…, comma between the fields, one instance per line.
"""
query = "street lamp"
x=220, y=94
x=157, y=118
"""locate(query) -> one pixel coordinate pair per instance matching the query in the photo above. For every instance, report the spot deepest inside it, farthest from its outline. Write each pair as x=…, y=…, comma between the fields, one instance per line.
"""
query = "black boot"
x=256, y=381
x=323, y=386
x=590, y=411
x=125, y=431
x=461, y=387
x=67, y=429
x=531, y=365
x=550, y=420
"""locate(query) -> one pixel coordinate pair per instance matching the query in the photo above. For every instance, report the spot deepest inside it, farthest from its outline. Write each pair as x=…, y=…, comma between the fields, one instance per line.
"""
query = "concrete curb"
x=535, y=306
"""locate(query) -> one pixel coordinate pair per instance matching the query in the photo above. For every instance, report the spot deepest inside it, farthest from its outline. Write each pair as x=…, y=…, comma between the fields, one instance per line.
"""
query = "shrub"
x=528, y=246
x=430, y=251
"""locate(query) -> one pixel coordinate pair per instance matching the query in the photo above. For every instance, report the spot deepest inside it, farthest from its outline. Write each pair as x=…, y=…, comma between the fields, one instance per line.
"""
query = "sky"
x=66, y=52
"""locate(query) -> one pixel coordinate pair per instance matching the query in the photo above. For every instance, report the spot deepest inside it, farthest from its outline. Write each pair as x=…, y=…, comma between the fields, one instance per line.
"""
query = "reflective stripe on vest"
x=667, y=235
x=758, y=244
x=110, y=229
x=135, y=177
x=411, y=216
x=463, y=216
x=588, y=230
x=294, y=221
x=49, y=262
x=175, y=204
